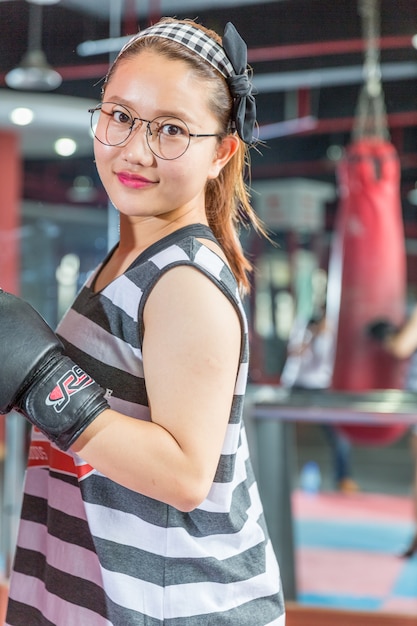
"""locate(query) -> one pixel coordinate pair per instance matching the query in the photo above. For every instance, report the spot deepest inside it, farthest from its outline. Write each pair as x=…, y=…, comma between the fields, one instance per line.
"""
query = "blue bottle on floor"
x=310, y=478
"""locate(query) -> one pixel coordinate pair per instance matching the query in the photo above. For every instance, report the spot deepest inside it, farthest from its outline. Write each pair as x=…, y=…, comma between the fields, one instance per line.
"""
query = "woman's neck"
x=137, y=235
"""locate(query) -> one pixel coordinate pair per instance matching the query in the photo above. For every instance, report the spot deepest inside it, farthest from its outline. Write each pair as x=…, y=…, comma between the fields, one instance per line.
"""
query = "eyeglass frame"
x=148, y=129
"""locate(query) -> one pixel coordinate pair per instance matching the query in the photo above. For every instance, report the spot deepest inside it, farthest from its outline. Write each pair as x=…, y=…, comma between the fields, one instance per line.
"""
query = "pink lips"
x=133, y=181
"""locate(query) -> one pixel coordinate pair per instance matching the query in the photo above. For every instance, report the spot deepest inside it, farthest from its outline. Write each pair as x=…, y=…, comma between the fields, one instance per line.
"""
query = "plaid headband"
x=230, y=60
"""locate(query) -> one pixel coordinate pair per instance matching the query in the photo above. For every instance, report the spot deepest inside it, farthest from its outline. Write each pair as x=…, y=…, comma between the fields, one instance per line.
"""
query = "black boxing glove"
x=381, y=329
x=38, y=380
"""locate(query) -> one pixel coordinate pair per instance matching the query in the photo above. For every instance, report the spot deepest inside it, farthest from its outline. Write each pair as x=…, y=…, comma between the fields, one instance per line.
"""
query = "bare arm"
x=403, y=343
x=190, y=353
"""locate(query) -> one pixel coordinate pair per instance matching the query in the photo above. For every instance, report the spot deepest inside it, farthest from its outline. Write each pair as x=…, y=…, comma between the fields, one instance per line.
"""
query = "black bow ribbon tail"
x=244, y=105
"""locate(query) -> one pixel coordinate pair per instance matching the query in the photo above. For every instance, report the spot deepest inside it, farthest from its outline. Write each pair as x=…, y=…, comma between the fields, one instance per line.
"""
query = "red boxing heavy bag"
x=367, y=275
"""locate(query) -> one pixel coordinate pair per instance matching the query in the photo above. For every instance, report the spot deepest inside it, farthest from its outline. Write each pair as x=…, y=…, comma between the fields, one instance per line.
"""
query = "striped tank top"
x=93, y=553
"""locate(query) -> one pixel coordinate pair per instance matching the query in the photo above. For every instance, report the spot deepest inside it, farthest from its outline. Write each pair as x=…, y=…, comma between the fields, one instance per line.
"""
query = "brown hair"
x=227, y=197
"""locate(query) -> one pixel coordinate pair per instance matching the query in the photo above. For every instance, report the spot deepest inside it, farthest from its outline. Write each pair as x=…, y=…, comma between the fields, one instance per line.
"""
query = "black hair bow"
x=244, y=106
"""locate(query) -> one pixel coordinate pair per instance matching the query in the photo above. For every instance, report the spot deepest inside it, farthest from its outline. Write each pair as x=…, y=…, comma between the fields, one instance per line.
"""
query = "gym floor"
x=348, y=546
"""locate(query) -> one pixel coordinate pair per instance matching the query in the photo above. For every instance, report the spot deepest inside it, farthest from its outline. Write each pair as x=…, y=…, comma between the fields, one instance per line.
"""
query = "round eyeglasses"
x=167, y=137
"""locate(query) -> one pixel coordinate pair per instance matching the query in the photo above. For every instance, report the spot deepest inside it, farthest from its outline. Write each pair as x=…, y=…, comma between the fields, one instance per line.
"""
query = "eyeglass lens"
x=167, y=137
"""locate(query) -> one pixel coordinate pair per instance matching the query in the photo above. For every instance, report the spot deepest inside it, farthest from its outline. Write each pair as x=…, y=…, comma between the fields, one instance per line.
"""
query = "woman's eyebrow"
x=183, y=115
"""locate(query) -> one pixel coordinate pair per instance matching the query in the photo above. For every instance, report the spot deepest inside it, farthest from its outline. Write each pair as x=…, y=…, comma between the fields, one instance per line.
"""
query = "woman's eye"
x=121, y=117
x=171, y=130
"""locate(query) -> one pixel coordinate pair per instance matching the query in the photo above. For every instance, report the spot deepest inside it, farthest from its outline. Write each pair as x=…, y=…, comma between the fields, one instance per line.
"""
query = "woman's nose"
x=136, y=148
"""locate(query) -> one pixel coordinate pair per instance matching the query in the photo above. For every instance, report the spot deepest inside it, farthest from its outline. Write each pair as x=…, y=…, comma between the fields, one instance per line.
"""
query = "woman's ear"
x=228, y=146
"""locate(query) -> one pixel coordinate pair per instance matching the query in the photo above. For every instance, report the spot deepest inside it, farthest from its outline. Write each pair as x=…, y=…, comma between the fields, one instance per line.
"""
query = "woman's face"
x=139, y=183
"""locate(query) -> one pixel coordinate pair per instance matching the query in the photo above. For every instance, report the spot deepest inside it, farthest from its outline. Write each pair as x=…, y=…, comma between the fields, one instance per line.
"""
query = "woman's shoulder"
x=193, y=246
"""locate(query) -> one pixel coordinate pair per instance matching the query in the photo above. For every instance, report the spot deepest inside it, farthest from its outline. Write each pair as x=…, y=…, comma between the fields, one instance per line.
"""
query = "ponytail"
x=228, y=208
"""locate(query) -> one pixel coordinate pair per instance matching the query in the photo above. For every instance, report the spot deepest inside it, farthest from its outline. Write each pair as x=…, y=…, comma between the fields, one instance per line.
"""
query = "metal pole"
x=275, y=456
x=14, y=470
x=114, y=32
x=272, y=445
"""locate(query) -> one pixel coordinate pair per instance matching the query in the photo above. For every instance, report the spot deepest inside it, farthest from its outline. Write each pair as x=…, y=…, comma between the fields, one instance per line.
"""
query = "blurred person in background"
x=401, y=342
x=309, y=366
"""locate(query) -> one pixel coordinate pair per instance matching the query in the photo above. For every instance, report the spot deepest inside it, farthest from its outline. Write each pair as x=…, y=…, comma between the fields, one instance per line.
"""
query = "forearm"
x=401, y=345
x=39, y=380
x=144, y=457
x=394, y=348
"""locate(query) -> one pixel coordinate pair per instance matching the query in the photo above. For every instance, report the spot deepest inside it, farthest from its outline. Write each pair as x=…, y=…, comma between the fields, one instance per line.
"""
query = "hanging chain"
x=370, y=118
x=35, y=27
x=370, y=32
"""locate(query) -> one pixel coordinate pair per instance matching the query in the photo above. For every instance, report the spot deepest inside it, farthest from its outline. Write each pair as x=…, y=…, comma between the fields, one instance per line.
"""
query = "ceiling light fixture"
x=22, y=116
x=65, y=146
x=34, y=73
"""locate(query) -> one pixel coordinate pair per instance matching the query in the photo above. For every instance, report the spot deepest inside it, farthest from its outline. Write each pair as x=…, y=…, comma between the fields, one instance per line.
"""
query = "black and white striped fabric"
x=194, y=39
x=93, y=553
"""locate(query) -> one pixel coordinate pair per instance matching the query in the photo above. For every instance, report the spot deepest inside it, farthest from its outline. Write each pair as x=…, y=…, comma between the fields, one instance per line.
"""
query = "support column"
x=10, y=193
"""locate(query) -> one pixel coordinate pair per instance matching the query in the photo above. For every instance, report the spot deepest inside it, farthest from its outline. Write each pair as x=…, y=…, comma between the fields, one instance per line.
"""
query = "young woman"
x=140, y=505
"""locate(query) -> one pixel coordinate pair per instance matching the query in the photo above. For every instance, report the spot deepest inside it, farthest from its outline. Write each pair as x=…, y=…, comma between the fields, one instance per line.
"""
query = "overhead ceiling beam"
x=345, y=124
x=324, y=48
x=269, y=53
x=275, y=81
x=314, y=167
x=330, y=77
x=310, y=125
